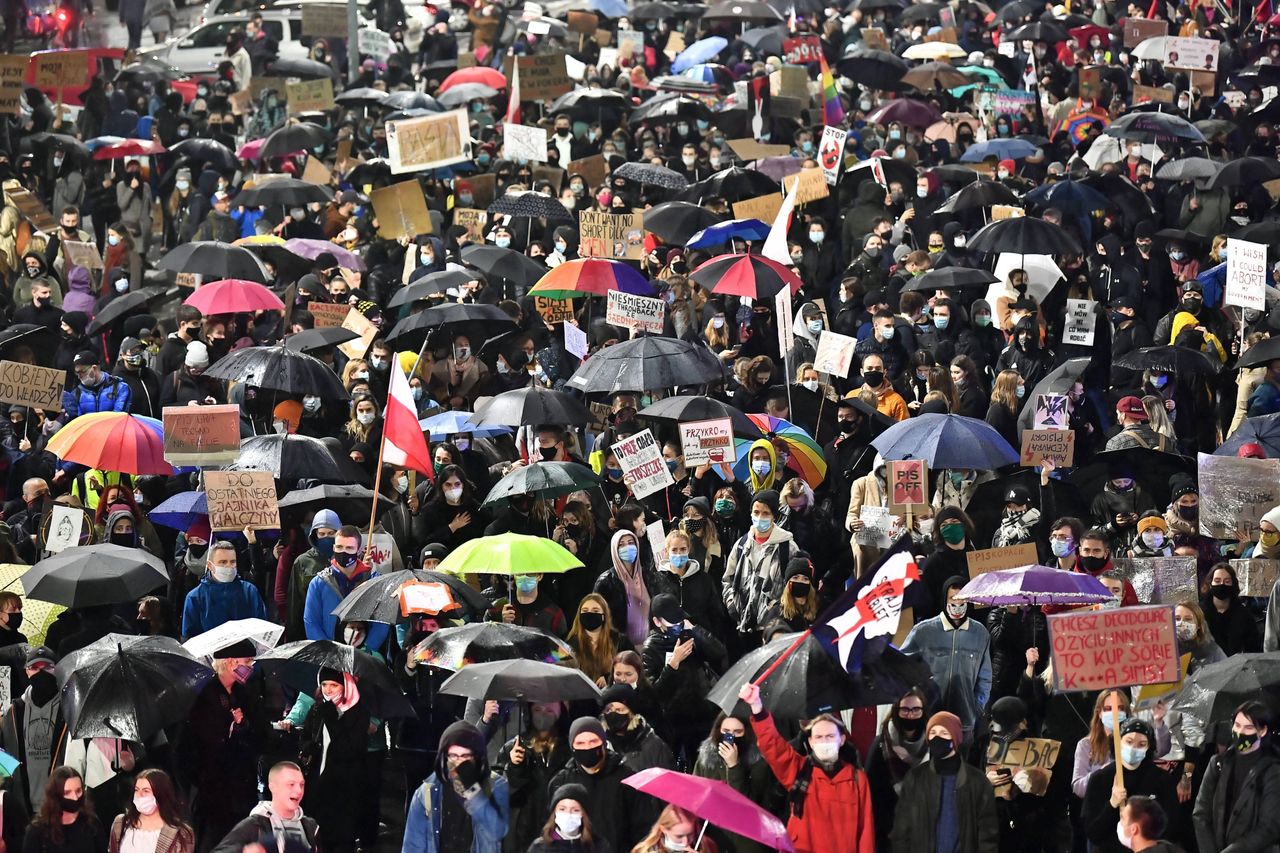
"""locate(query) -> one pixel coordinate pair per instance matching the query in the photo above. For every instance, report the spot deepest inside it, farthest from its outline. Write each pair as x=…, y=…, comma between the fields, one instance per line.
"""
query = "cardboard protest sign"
x=1041, y=444
x=834, y=355
x=31, y=207
x=327, y=20
x=240, y=499
x=763, y=207
x=258, y=85
x=831, y=153
x=801, y=50
x=813, y=185
x=1257, y=577
x=749, y=149
x=543, y=75
x=32, y=386
x=789, y=81
x=553, y=310
x=425, y=597
x=310, y=96
x=360, y=324
x=1138, y=30
x=999, y=559
x=575, y=341
x=1246, y=274
x=1234, y=493
x=201, y=435
x=593, y=169
x=876, y=523
x=708, y=442
x=374, y=42
x=635, y=312
x=58, y=69
x=611, y=235
x=1194, y=53
x=328, y=314
x=873, y=38
x=477, y=191
x=1159, y=580
x=401, y=210
x=1051, y=411
x=524, y=142
x=1148, y=695
x=1006, y=211
x=426, y=142
x=66, y=526
x=583, y=22
x=1090, y=81
x=1100, y=649
x=1082, y=320
x=472, y=219
x=1034, y=756
x=317, y=172
x=553, y=175
x=188, y=279
x=630, y=44
x=643, y=468
x=13, y=74
x=908, y=486
x=80, y=254
x=1152, y=94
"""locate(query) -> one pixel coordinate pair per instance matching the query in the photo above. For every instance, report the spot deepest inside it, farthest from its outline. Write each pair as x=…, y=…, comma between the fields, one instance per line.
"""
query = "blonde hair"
x=678, y=533
x=1202, y=626
x=671, y=816
x=1099, y=740
x=797, y=488
x=1158, y=417
x=350, y=368
x=1006, y=390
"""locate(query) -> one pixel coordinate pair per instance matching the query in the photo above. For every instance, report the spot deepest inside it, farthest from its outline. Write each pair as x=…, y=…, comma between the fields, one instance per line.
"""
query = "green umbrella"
x=510, y=554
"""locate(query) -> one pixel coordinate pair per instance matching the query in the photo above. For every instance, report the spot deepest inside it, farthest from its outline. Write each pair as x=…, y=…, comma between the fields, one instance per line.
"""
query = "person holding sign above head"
x=1106, y=792
x=1235, y=809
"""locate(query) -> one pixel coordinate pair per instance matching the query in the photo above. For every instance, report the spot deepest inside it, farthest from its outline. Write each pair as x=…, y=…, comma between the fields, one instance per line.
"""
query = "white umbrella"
x=933, y=50
x=1154, y=49
x=1042, y=275
x=263, y=634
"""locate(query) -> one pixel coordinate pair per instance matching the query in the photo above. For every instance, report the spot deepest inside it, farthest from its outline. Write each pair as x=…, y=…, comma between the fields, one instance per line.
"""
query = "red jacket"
x=837, y=810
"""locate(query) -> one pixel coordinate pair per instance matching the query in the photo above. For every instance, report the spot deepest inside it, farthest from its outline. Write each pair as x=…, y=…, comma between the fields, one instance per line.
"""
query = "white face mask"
x=957, y=610
x=223, y=574
x=1153, y=538
x=1125, y=840
x=352, y=636
x=453, y=495
x=365, y=418
x=568, y=825
x=331, y=697
x=717, y=322
x=311, y=404
x=463, y=444
x=402, y=484
x=825, y=751
x=810, y=384
x=145, y=804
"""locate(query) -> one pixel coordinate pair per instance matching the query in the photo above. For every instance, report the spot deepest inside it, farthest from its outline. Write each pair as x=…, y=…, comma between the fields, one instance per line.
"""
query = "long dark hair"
x=437, y=494
x=168, y=804
x=49, y=815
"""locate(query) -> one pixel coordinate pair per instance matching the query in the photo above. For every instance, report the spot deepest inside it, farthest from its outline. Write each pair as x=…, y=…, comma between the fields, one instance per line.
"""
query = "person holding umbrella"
x=675, y=830
x=327, y=589
x=529, y=761
x=335, y=741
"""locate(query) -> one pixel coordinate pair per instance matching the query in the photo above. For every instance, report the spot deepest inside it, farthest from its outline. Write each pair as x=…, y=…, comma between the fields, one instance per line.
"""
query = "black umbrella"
x=1154, y=127
x=877, y=69
x=299, y=664
x=521, y=681
x=482, y=642
x=378, y=599
x=462, y=93
x=87, y=575
x=689, y=86
x=531, y=406
x=766, y=40
x=426, y=285
x=279, y=369
x=122, y=306
x=865, y=5
x=951, y=173
x=1024, y=235
x=30, y=334
x=545, y=479
x=1179, y=361
x=303, y=136
x=445, y=321
x=348, y=501
x=951, y=278
x=934, y=75
x=1266, y=231
x=986, y=507
x=1123, y=193
x=920, y=12
x=45, y=141
x=742, y=10
x=648, y=173
x=531, y=204
x=305, y=69
x=361, y=95
x=215, y=261
x=733, y=185
x=309, y=340
x=591, y=104
x=287, y=265
x=1058, y=381
x=1150, y=467
x=1188, y=169
x=1245, y=172
x=204, y=150
x=129, y=687
x=1039, y=31
x=810, y=681
x=980, y=194
x=683, y=409
x=288, y=457
x=289, y=193
x=668, y=107
x=146, y=72
x=410, y=100
x=675, y=222
x=1260, y=354
x=369, y=172
x=1213, y=692
x=504, y=263
x=655, y=11
x=647, y=364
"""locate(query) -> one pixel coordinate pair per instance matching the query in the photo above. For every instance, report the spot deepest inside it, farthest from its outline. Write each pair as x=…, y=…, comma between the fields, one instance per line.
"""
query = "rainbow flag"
x=833, y=112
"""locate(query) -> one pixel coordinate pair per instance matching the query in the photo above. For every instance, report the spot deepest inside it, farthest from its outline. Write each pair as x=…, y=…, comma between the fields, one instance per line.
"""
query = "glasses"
x=910, y=712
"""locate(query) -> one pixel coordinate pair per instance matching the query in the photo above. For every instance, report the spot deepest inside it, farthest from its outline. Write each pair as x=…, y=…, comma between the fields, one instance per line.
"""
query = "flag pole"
x=786, y=654
x=377, y=485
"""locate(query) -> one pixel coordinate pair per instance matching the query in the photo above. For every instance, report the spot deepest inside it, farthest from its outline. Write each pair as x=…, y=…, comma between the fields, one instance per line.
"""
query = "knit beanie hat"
x=951, y=723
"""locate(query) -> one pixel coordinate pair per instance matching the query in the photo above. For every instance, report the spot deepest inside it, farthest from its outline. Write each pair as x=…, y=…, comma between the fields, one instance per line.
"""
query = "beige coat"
x=866, y=491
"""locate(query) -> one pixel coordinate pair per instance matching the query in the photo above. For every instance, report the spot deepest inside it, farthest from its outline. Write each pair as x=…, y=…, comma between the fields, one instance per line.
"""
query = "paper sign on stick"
x=1101, y=649
x=32, y=386
x=708, y=442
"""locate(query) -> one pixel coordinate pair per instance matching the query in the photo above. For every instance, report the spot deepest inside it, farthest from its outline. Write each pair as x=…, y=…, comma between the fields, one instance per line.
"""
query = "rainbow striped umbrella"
x=588, y=276
x=804, y=455
x=113, y=441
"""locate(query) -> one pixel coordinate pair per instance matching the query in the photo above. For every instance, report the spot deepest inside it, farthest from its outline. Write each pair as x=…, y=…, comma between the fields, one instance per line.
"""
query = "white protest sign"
x=1082, y=321
x=635, y=312
x=831, y=153
x=375, y=43
x=643, y=468
x=1246, y=274
x=876, y=522
x=835, y=354
x=782, y=310
x=65, y=526
x=708, y=442
x=657, y=537
x=522, y=142
x=382, y=551
x=575, y=340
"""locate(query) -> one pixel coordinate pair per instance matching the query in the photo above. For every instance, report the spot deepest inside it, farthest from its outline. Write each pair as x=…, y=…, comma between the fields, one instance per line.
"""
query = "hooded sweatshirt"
x=766, y=482
x=78, y=297
x=443, y=820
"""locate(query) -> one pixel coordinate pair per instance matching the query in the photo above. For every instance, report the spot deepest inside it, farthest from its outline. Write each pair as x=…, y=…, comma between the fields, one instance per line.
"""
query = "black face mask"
x=591, y=621
x=71, y=806
x=616, y=722
x=548, y=453
x=800, y=591
x=591, y=757
x=345, y=559
x=197, y=551
x=467, y=772
x=1220, y=591
x=873, y=378
x=846, y=427
x=1093, y=565
x=43, y=687
x=910, y=726
x=940, y=748
x=15, y=621
x=694, y=525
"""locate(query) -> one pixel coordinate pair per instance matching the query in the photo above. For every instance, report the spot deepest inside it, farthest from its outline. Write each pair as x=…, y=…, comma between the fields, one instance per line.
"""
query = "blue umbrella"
x=709, y=72
x=451, y=423
x=1074, y=199
x=700, y=51
x=181, y=511
x=1001, y=149
x=1263, y=430
x=723, y=232
x=610, y=8
x=946, y=441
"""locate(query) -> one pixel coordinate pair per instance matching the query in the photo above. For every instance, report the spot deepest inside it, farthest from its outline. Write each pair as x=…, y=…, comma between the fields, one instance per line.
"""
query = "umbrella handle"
x=701, y=834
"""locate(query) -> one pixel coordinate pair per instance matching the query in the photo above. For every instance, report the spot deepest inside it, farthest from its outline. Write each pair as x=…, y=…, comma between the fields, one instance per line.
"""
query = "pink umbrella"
x=129, y=148
x=252, y=150
x=714, y=802
x=312, y=249
x=233, y=295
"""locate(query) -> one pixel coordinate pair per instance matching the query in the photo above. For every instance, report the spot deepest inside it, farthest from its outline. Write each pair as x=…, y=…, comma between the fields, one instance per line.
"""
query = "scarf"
x=901, y=754
x=637, y=600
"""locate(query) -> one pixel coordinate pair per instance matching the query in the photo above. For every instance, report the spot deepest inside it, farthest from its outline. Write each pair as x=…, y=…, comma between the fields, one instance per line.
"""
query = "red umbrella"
x=911, y=113
x=1088, y=31
x=715, y=802
x=491, y=77
x=746, y=275
x=233, y=295
x=129, y=148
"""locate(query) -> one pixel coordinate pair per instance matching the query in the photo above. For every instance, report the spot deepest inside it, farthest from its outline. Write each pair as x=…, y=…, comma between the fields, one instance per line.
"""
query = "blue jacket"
x=960, y=659
x=489, y=816
x=212, y=603
x=111, y=395
x=324, y=594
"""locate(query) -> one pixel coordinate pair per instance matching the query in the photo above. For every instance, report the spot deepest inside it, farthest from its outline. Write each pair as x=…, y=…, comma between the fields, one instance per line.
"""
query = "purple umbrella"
x=312, y=249
x=1034, y=585
x=911, y=113
x=778, y=167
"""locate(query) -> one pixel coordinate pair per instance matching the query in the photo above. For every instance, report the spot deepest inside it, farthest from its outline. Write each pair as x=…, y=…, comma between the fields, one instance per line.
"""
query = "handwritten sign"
x=813, y=185
x=13, y=74
x=1034, y=756
x=635, y=312
x=575, y=341
x=382, y=553
x=61, y=68
x=327, y=20
x=1082, y=319
x=656, y=535
x=1257, y=577
x=1156, y=94
x=619, y=236
x=360, y=324
x=1159, y=580
x=428, y=141
x=1041, y=444
x=80, y=254
x=553, y=311
x=763, y=207
x=908, y=485
x=1196, y=53
x=1101, y=649
x=999, y=559
x=524, y=142
x=240, y=499
x=328, y=314
x=708, y=442
x=834, y=355
x=201, y=435
x=643, y=468
x=31, y=207
x=310, y=96
x=876, y=523
x=401, y=210
x=1234, y=493
x=1246, y=274
x=32, y=386
x=473, y=220
x=542, y=76
x=374, y=42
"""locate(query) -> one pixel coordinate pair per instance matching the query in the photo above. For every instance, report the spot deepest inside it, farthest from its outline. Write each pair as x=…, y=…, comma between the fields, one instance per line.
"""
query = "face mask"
x=845, y=426
x=1062, y=547
x=71, y=806
x=568, y=824
x=689, y=160
x=895, y=134
x=1131, y=755
x=815, y=326
x=1268, y=540
x=816, y=237
x=365, y=418
x=453, y=495
x=502, y=242
x=526, y=585
x=562, y=247
x=982, y=320
x=826, y=752
x=873, y=252
x=1189, y=513
x=806, y=147
x=941, y=322
x=463, y=444
x=715, y=162
x=953, y=534
x=957, y=610
x=810, y=384
x=133, y=360
x=1125, y=840
x=724, y=507
x=1220, y=591
x=589, y=757
x=1105, y=717
x=613, y=473
x=345, y=559
x=1178, y=256
x=761, y=525
x=591, y=621
x=1153, y=539
x=627, y=553
x=122, y=286
x=243, y=672
x=940, y=748
x=297, y=213
x=921, y=192
x=1093, y=565
x=1244, y=742
x=886, y=334
x=1186, y=631
x=760, y=467
x=873, y=378
x=674, y=846
x=223, y=574
x=145, y=804
x=311, y=404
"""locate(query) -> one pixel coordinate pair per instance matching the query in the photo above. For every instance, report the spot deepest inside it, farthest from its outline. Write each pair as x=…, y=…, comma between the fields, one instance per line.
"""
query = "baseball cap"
x=1132, y=407
x=41, y=655
x=86, y=359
